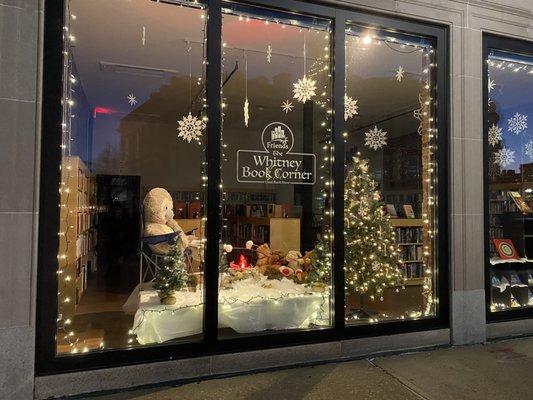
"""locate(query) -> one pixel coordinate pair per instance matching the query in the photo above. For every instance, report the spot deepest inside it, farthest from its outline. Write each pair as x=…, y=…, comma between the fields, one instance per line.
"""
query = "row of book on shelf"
x=414, y=270
x=510, y=201
x=409, y=235
x=188, y=210
x=270, y=210
x=86, y=184
x=85, y=243
x=407, y=211
x=411, y=253
x=85, y=221
x=84, y=201
x=259, y=234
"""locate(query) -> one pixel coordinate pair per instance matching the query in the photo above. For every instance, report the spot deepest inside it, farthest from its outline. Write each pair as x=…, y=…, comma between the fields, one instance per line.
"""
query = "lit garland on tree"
x=171, y=275
x=372, y=259
x=321, y=264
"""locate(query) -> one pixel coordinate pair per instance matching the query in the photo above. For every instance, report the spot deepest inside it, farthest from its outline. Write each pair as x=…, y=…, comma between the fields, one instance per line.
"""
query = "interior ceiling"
x=110, y=33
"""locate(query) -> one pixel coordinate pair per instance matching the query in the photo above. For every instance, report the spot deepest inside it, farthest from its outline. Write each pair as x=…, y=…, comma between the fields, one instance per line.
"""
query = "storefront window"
x=132, y=195
x=173, y=111
x=275, y=258
x=389, y=194
x=510, y=180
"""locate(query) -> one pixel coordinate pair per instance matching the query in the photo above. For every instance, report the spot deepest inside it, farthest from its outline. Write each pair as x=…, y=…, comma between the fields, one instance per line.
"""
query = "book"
x=195, y=209
x=505, y=249
x=519, y=201
x=391, y=211
x=408, y=210
x=180, y=210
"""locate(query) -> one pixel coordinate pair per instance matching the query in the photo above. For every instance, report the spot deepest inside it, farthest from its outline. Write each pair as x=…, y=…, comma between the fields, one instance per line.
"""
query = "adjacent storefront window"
x=390, y=169
x=509, y=141
x=202, y=147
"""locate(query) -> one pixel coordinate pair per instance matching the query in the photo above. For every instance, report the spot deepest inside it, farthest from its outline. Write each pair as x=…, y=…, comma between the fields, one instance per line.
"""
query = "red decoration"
x=241, y=265
x=505, y=249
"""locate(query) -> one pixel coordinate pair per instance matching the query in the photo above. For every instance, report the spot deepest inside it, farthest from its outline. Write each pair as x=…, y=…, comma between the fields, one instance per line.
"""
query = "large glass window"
x=131, y=231
x=275, y=267
x=510, y=179
x=389, y=194
x=142, y=89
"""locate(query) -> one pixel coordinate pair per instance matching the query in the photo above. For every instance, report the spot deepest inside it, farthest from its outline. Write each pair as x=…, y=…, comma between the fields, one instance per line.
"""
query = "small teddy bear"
x=159, y=220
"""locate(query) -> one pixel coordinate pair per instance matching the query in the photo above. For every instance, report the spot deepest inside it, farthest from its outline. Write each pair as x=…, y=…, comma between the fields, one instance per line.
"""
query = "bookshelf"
x=77, y=223
x=279, y=233
x=410, y=240
x=507, y=220
x=511, y=285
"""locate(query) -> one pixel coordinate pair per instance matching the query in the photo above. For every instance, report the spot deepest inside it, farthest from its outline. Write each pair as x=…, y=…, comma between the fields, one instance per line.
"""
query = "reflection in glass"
x=389, y=207
x=510, y=162
x=132, y=189
x=276, y=254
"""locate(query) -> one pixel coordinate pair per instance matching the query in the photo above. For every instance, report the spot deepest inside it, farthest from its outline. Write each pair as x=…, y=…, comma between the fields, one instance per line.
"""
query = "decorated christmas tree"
x=321, y=264
x=171, y=275
x=372, y=259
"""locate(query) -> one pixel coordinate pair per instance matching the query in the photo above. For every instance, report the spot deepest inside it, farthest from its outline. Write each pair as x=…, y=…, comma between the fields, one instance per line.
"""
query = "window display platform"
x=251, y=305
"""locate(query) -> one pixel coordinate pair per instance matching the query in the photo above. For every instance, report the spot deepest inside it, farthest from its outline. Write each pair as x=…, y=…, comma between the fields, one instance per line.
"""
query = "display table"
x=251, y=305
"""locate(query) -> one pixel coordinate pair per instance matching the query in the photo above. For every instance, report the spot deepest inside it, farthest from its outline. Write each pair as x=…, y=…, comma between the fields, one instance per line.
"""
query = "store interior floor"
x=497, y=370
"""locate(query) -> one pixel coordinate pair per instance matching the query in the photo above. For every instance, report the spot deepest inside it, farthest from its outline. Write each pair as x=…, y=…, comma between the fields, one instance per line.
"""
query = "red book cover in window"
x=505, y=249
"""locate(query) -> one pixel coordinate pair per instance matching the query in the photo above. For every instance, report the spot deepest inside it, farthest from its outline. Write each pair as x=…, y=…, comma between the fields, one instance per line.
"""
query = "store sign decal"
x=276, y=164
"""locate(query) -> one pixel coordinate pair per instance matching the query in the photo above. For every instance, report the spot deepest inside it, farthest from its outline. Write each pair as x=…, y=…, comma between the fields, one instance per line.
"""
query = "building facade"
x=220, y=187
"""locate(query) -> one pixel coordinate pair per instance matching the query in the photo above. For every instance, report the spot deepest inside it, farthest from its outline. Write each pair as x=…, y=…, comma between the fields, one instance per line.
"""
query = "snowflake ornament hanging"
x=269, y=54
x=304, y=89
x=495, y=135
x=350, y=107
x=528, y=149
x=287, y=106
x=375, y=138
x=400, y=73
x=190, y=128
x=504, y=157
x=517, y=123
x=491, y=85
x=132, y=99
x=246, y=112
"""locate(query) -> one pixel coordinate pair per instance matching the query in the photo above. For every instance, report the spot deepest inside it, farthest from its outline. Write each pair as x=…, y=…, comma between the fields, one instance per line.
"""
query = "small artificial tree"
x=171, y=275
x=372, y=258
x=321, y=263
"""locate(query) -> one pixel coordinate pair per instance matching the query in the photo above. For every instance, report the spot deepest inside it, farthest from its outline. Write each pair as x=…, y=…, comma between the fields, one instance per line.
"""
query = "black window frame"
x=46, y=360
x=517, y=46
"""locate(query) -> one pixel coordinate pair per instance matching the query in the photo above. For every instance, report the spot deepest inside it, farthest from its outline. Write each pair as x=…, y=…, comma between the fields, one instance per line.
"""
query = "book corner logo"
x=277, y=138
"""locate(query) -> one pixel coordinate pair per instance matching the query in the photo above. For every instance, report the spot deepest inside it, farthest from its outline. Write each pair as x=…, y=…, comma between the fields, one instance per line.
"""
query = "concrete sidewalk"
x=498, y=370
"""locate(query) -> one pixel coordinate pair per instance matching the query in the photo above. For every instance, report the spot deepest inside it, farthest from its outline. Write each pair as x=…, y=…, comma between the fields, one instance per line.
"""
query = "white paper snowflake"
x=246, y=112
x=269, y=53
x=517, y=123
x=132, y=99
x=287, y=106
x=190, y=128
x=495, y=135
x=399, y=73
x=375, y=138
x=304, y=89
x=504, y=157
x=491, y=85
x=528, y=149
x=350, y=107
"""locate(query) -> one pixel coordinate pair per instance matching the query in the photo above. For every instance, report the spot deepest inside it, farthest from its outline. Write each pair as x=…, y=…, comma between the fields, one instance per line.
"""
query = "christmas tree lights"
x=372, y=259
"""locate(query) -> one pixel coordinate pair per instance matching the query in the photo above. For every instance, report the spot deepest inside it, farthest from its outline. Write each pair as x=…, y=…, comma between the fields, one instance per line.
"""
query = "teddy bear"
x=270, y=261
x=159, y=220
